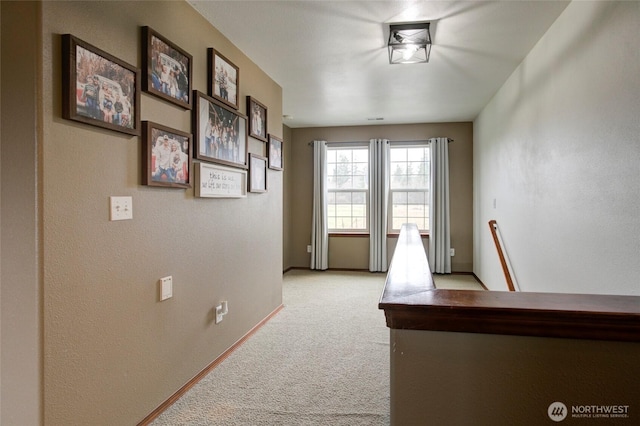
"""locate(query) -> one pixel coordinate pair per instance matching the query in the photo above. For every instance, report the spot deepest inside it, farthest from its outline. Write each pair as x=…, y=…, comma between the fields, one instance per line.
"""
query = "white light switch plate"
x=166, y=288
x=121, y=208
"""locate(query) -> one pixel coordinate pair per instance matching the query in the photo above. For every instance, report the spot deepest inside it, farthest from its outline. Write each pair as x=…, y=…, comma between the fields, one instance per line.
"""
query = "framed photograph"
x=257, y=173
x=274, y=152
x=166, y=156
x=223, y=79
x=166, y=69
x=214, y=181
x=98, y=88
x=220, y=132
x=257, y=113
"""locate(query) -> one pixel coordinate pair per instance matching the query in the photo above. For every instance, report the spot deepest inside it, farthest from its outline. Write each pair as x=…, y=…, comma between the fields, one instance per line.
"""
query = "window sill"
x=397, y=234
x=366, y=234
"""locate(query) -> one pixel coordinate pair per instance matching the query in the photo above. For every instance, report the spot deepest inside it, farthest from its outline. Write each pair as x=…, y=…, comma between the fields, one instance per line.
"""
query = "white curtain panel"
x=439, y=224
x=379, y=198
x=319, y=228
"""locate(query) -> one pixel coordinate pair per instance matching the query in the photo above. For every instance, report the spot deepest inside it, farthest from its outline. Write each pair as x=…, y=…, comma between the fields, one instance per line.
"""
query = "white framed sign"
x=213, y=181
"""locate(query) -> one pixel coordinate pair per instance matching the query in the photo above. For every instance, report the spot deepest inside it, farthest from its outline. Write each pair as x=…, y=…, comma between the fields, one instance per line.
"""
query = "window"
x=348, y=184
x=409, y=170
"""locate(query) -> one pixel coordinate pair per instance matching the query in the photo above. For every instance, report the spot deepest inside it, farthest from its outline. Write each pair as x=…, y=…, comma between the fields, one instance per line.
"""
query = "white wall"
x=558, y=148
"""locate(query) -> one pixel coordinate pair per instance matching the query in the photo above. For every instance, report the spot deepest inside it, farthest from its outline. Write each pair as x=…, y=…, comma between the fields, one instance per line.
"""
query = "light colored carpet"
x=457, y=282
x=322, y=360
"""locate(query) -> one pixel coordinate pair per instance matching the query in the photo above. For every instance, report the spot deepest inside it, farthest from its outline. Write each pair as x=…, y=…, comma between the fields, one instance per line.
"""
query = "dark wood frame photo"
x=274, y=153
x=162, y=144
x=220, y=132
x=223, y=79
x=257, y=113
x=166, y=69
x=98, y=88
x=257, y=173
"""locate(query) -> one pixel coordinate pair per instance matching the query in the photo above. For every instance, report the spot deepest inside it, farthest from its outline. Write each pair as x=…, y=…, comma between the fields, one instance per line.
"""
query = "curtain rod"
x=421, y=140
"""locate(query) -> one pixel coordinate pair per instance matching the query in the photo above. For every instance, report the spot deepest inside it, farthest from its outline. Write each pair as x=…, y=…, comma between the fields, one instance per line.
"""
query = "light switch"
x=166, y=288
x=121, y=208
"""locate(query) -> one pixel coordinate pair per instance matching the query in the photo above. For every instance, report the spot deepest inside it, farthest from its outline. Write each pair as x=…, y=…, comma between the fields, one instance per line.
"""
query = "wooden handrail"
x=507, y=275
x=411, y=301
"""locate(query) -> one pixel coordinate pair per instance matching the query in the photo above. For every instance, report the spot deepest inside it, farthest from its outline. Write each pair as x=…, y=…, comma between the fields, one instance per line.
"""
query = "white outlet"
x=166, y=288
x=121, y=208
x=309, y=249
x=452, y=252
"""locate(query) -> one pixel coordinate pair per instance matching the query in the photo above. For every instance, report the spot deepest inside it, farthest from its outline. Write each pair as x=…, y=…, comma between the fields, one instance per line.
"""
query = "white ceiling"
x=331, y=60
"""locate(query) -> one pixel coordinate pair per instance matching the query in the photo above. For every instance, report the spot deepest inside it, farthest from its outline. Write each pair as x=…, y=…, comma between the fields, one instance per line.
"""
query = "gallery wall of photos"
x=101, y=90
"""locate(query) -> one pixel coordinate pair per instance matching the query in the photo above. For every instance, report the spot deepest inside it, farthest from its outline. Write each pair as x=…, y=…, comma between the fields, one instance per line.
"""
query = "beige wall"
x=20, y=290
x=111, y=352
x=450, y=378
x=353, y=252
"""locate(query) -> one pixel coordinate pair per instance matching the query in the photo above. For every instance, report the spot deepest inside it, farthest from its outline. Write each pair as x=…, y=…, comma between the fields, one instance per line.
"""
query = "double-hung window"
x=348, y=187
x=409, y=169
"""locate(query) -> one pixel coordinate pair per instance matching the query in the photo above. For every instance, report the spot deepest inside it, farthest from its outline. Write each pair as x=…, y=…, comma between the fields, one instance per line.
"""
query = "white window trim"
x=404, y=144
x=352, y=145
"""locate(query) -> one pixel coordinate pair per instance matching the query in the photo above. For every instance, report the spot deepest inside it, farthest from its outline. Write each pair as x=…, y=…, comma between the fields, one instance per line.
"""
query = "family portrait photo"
x=98, y=88
x=274, y=152
x=257, y=119
x=166, y=156
x=167, y=69
x=224, y=79
x=221, y=133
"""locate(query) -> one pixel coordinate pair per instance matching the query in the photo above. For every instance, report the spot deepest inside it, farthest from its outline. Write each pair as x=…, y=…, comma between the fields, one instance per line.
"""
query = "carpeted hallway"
x=322, y=360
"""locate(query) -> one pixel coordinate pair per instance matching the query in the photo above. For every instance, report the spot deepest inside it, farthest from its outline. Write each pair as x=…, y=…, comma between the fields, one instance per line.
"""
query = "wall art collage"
x=101, y=90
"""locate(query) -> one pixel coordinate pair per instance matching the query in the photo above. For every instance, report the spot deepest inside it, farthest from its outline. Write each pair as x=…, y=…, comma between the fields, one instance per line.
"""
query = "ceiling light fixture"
x=409, y=43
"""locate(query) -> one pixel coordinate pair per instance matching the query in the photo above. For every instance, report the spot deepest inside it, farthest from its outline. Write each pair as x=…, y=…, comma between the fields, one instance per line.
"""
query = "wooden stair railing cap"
x=411, y=302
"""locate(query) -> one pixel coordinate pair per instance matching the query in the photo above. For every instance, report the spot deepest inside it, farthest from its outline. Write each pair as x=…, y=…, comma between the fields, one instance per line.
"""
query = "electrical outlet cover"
x=166, y=288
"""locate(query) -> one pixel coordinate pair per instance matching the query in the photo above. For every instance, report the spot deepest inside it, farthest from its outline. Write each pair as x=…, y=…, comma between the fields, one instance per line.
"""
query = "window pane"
x=399, y=197
x=359, y=210
x=359, y=197
x=416, y=197
x=342, y=197
x=398, y=154
x=359, y=223
x=416, y=154
x=359, y=182
x=361, y=155
x=345, y=182
x=400, y=210
x=416, y=182
x=409, y=184
x=348, y=181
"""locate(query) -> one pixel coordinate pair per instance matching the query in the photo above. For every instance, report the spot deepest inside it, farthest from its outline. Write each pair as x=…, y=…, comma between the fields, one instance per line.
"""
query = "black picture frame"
x=257, y=113
x=162, y=144
x=223, y=79
x=275, y=152
x=166, y=69
x=257, y=173
x=220, y=132
x=98, y=88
